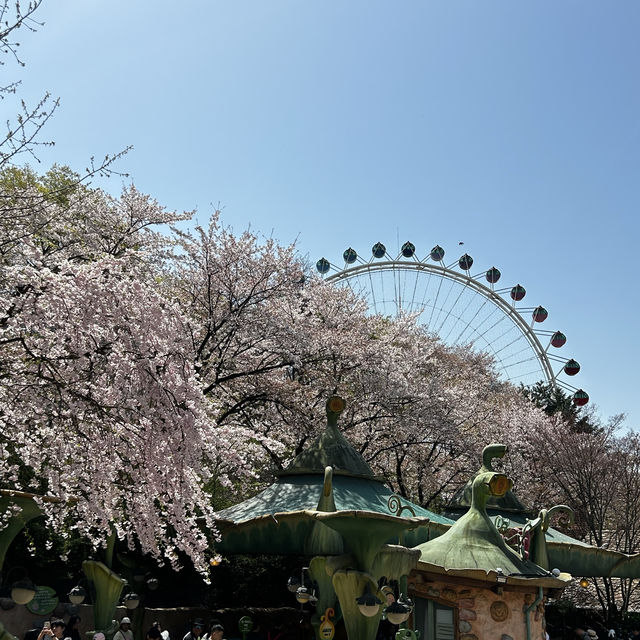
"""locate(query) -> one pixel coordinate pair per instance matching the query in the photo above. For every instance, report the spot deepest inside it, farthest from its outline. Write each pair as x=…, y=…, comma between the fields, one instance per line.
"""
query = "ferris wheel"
x=462, y=308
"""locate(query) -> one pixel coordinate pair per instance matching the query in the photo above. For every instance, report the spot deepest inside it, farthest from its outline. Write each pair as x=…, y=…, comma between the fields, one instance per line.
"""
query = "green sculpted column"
x=22, y=508
x=108, y=588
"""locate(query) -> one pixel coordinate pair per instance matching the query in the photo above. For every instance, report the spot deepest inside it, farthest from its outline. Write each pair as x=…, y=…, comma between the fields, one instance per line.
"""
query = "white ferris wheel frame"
x=468, y=281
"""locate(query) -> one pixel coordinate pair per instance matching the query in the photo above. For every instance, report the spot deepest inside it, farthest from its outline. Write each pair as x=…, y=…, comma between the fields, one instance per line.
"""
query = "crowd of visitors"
x=57, y=629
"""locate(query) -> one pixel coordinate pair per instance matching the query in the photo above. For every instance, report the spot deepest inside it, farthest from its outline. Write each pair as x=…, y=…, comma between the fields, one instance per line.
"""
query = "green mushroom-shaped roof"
x=473, y=545
x=330, y=449
x=329, y=476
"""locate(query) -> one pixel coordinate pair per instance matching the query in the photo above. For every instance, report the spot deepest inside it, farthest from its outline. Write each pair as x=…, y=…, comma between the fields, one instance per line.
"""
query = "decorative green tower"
x=329, y=504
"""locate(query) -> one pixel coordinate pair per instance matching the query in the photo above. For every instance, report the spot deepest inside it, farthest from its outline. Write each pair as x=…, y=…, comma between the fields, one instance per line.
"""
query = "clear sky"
x=511, y=126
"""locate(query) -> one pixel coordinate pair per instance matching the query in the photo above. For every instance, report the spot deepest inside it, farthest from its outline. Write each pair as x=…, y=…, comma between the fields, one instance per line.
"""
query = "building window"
x=434, y=620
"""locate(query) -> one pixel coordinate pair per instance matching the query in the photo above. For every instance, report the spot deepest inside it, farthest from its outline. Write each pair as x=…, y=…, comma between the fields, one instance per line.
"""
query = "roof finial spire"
x=335, y=406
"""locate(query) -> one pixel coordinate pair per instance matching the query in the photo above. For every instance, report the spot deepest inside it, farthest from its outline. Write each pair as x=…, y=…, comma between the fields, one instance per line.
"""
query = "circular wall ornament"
x=499, y=611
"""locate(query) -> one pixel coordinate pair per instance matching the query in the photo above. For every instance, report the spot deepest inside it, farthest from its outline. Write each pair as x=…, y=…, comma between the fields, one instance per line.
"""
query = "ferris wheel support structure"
x=467, y=281
x=472, y=290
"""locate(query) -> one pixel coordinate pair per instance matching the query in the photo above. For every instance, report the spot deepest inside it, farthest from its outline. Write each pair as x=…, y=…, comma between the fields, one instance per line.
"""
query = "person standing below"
x=32, y=634
x=197, y=629
x=124, y=632
x=53, y=631
x=163, y=632
x=71, y=630
x=154, y=633
x=217, y=631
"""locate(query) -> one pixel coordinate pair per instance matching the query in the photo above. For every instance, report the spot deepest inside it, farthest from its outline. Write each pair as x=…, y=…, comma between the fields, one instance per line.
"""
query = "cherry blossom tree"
x=142, y=363
x=98, y=391
x=596, y=471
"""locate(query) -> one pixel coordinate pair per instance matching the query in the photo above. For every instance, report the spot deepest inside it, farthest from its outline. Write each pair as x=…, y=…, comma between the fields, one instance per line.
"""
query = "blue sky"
x=513, y=127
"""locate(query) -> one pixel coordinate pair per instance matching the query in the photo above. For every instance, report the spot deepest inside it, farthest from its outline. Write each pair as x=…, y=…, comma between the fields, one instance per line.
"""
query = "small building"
x=470, y=585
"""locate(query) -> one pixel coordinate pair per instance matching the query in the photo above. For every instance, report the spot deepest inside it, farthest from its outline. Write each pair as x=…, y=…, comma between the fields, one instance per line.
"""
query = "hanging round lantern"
x=437, y=253
x=131, y=600
x=378, y=250
x=571, y=368
x=558, y=339
x=580, y=398
x=397, y=612
x=302, y=595
x=408, y=249
x=465, y=262
x=493, y=275
x=77, y=595
x=350, y=255
x=540, y=314
x=518, y=292
x=368, y=603
x=23, y=591
x=322, y=265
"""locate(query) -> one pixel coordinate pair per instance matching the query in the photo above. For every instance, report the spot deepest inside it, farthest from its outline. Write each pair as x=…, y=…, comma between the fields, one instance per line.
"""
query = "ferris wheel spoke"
x=489, y=346
x=444, y=303
x=515, y=354
x=500, y=320
x=523, y=361
x=415, y=288
x=525, y=375
x=402, y=290
x=358, y=294
x=488, y=318
x=373, y=293
x=403, y=299
x=506, y=361
x=468, y=325
x=382, y=286
x=426, y=288
x=498, y=339
x=508, y=344
x=397, y=291
x=499, y=365
x=451, y=307
x=461, y=318
x=530, y=364
x=406, y=292
x=480, y=324
x=435, y=303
